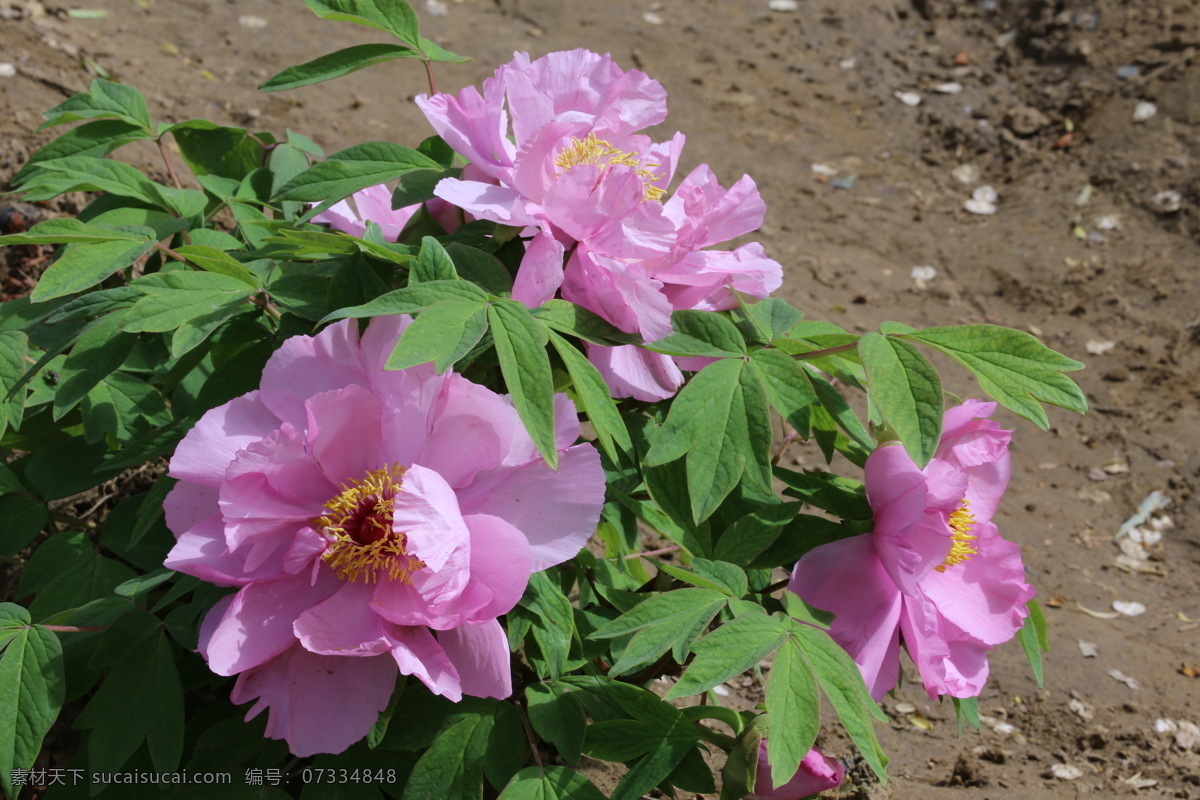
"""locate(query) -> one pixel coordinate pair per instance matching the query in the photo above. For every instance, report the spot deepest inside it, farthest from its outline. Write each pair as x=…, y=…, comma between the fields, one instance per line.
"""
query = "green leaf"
x=86, y=265
x=730, y=650
x=557, y=717
x=99, y=351
x=775, y=317
x=95, y=304
x=103, y=99
x=336, y=64
x=966, y=709
x=66, y=572
x=787, y=387
x=92, y=140
x=69, y=230
x=701, y=333
x=550, y=782
x=390, y=16
x=521, y=348
x=173, y=298
x=213, y=260
x=595, y=398
x=140, y=700
x=1012, y=366
x=676, y=630
x=839, y=409
x=577, y=321
x=410, y=300
x=417, y=186
x=442, y=333
x=14, y=346
x=1033, y=640
x=31, y=694
x=432, y=263
x=451, y=766
x=123, y=407
x=354, y=168
x=13, y=620
x=621, y=739
x=907, y=391
x=77, y=173
x=554, y=626
x=749, y=536
x=795, y=711
x=842, y=683
x=482, y=269
x=217, y=150
x=21, y=518
x=842, y=497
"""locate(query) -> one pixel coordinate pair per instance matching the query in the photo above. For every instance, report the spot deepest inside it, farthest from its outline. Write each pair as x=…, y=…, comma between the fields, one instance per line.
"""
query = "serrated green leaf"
x=701, y=333
x=336, y=64
x=32, y=689
x=442, y=333
x=842, y=683
x=730, y=650
x=103, y=99
x=352, y=169
x=596, y=400
x=907, y=391
x=1012, y=366
x=521, y=348
x=557, y=717
x=550, y=782
x=795, y=712
x=86, y=265
x=410, y=300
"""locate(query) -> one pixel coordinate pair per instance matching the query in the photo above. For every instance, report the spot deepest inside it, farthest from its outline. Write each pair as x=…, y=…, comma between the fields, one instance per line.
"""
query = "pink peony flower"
x=817, y=773
x=935, y=573
x=587, y=188
x=375, y=523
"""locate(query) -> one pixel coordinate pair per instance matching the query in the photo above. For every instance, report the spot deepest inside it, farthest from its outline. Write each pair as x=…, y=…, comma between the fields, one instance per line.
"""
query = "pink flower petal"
x=344, y=433
x=417, y=653
x=480, y=655
x=319, y=704
x=304, y=366
x=817, y=773
x=208, y=448
x=501, y=562
x=557, y=511
x=257, y=625
x=427, y=512
x=486, y=201
x=541, y=271
x=343, y=624
x=633, y=372
x=867, y=617
x=472, y=428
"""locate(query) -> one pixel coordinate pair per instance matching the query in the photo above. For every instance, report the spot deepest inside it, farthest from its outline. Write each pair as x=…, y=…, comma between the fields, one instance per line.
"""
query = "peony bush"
x=441, y=468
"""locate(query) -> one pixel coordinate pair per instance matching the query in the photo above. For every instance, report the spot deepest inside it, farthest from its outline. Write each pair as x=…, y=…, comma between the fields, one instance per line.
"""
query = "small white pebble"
x=1099, y=348
x=1167, y=202
x=952, y=87
x=1066, y=772
x=783, y=5
x=983, y=201
x=908, y=98
x=437, y=8
x=1162, y=725
x=720, y=691
x=1088, y=649
x=828, y=170
x=7, y=70
x=1144, y=111
x=848, y=63
x=923, y=274
x=652, y=18
x=1130, y=608
x=965, y=173
x=248, y=21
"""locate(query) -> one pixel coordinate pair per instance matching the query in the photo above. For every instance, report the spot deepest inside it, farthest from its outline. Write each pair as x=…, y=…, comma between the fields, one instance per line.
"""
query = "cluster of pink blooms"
x=935, y=572
x=375, y=523
x=553, y=148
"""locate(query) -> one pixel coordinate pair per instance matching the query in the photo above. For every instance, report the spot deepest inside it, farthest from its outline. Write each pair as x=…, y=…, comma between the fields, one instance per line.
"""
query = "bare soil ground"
x=1044, y=109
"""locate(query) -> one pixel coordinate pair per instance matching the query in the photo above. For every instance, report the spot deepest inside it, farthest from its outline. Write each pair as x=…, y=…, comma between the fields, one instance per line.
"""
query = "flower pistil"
x=961, y=550
x=358, y=527
x=596, y=152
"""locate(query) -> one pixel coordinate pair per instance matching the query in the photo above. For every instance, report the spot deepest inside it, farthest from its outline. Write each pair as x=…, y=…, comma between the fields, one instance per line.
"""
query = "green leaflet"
x=595, y=398
x=336, y=64
x=92, y=139
x=557, y=716
x=86, y=265
x=432, y=263
x=907, y=391
x=442, y=333
x=521, y=347
x=794, y=709
x=31, y=690
x=175, y=298
x=550, y=783
x=701, y=333
x=103, y=99
x=352, y=169
x=1033, y=640
x=1012, y=366
x=410, y=300
x=733, y=648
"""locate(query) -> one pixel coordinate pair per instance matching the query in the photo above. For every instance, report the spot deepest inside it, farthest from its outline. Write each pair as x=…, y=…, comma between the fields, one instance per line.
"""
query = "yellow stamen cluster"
x=359, y=530
x=961, y=549
x=595, y=152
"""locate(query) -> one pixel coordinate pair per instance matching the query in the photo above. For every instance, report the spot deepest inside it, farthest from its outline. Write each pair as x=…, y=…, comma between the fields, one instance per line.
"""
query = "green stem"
x=828, y=351
x=75, y=628
x=429, y=76
x=162, y=148
x=78, y=523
